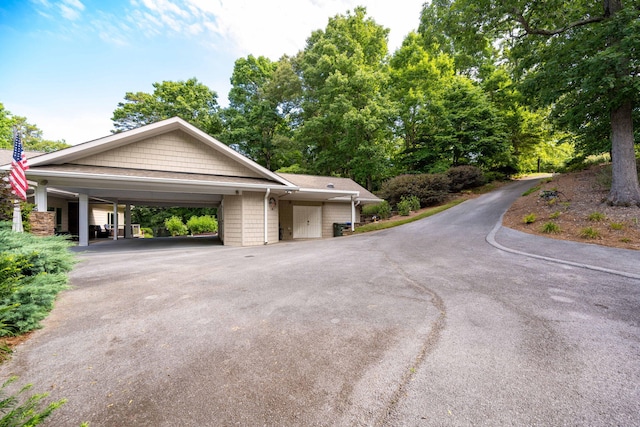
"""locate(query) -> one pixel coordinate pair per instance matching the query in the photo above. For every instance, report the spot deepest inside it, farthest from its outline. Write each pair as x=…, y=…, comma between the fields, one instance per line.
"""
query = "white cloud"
x=267, y=28
x=71, y=9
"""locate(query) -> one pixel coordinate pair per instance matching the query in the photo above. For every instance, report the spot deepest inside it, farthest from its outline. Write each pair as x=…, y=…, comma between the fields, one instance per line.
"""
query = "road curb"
x=491, y=239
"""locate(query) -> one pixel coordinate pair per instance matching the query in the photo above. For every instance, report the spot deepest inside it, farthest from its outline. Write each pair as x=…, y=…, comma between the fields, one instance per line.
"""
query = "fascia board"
x=78, y=176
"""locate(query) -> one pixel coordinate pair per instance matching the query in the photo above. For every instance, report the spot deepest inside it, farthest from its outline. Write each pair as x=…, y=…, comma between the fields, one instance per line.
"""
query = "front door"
x=307, y=222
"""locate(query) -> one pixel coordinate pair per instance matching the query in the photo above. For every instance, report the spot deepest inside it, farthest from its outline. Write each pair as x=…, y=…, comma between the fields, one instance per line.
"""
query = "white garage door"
x=307, y=222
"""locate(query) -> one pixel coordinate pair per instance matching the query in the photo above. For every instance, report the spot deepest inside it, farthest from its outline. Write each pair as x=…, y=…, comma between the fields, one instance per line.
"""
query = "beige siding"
x=174, y=152
x=99, y=214
x=243, y=220
x=334, y=212
x=233, y=220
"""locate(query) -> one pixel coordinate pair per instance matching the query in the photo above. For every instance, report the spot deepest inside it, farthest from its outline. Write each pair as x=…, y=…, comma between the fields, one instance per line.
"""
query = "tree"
x=261, y=102
x=31, y=135
x=417, y=84
x=189, y=100
x=346, y=110
x=470, y=131
x=581, y=58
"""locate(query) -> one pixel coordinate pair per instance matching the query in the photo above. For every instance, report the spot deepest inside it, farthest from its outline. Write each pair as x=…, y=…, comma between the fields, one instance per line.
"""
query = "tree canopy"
x=189, y=100
x=32, y=139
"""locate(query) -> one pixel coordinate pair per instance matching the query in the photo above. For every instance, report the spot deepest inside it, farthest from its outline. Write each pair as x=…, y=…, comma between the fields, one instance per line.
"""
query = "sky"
x=66, y=64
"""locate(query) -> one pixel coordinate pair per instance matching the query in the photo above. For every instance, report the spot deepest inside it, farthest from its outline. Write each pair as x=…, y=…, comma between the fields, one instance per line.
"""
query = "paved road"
x=440, y=322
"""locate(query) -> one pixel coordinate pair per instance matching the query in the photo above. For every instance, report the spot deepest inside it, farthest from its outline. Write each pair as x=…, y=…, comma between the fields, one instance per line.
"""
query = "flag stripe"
x=19, y=165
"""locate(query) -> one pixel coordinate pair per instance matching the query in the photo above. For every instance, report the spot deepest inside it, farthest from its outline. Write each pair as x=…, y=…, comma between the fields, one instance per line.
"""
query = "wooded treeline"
x=345, y=106
x=508, y=86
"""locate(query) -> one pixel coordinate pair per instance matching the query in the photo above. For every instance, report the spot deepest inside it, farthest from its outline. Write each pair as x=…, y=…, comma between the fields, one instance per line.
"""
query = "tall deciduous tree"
x=418, y=82
x=346, y=109
x=581, y=57
x=261, y=104
x=189, y=100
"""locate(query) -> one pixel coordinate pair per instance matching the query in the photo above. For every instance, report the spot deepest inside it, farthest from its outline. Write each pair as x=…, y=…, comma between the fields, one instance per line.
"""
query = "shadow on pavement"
x=156, y=243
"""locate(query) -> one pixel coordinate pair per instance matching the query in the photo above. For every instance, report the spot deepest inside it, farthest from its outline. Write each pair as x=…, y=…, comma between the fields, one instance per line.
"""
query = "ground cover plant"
x=33, y=270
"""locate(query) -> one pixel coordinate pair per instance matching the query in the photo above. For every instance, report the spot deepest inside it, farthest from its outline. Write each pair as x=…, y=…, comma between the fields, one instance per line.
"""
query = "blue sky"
x=67, y=63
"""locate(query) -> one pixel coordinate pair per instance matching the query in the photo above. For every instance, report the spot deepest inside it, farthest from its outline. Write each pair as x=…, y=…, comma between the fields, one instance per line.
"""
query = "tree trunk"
x=625, y=190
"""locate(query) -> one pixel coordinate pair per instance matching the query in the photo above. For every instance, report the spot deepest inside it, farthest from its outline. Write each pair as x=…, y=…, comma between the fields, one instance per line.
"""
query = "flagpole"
x=17, y=217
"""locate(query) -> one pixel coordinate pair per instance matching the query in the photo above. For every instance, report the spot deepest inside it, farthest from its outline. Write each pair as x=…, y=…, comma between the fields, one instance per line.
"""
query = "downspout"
x=266, y=225
x=353, y=212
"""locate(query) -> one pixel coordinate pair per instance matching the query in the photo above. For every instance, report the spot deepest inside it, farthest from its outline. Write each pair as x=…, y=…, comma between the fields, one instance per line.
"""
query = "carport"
x=169, y=163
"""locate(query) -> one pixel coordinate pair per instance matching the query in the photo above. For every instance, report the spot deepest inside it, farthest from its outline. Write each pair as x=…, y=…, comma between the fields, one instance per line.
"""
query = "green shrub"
x=589, y=233
x=430, y=189
x=462, y=177
x=555, y=215
x=551, y=227
x=596, y=216
x=491, y=176
x=408, y=204
x=382, y=210
x=18, y=411
x=616, y=226
x=175, y=226
x=202, y=224
x=147, y=232
x=33, y=272
x=530, y=219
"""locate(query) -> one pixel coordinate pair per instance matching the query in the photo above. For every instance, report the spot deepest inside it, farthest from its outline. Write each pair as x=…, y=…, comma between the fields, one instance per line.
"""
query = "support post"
x=115, y=221
x=127, y=221
x=83, y=220
x=41, y=197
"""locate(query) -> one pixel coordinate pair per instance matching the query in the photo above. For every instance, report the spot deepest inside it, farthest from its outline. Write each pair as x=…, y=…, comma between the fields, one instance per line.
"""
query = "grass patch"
x=596, y=216
x=375, y=226
x=555, y=215
x=589, y=233
x=551, y=228
x=531, y=190
x=530, y=219
x=616, y=226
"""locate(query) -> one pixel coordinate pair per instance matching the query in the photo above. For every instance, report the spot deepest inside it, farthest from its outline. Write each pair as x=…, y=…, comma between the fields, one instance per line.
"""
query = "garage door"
x=307, y=222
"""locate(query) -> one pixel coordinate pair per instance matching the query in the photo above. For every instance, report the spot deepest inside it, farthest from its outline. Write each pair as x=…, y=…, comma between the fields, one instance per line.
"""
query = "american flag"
x=18, y=178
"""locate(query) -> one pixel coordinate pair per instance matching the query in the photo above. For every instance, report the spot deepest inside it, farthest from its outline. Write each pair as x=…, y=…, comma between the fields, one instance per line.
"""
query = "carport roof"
x=315, y=187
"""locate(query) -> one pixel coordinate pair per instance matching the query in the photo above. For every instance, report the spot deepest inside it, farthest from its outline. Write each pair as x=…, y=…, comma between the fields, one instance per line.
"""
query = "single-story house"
x=172, y=163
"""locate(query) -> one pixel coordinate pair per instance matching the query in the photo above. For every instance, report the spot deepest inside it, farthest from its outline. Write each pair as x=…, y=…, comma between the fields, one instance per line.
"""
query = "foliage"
x=154, y=217
x=555, y=215
x=259, y=118
x=530, y=218
x=389, y=224
x=579, y=58
x=551, y=227
x=430, y=189
x=18, y=412
x=147, y=232
x=32, y=139
x=346, y=111
x=408, y=204
x=382, y=210
x=531, y=191
x=463, y=177
x=589, y=233
x=596, y=216
x=189, y=100
x=202, y=224
x=175, y=226
x=616, y=226
x=33, y=272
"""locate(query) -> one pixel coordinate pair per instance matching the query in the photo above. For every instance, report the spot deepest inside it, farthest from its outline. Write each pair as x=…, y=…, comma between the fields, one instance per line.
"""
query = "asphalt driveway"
x=444, y=321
